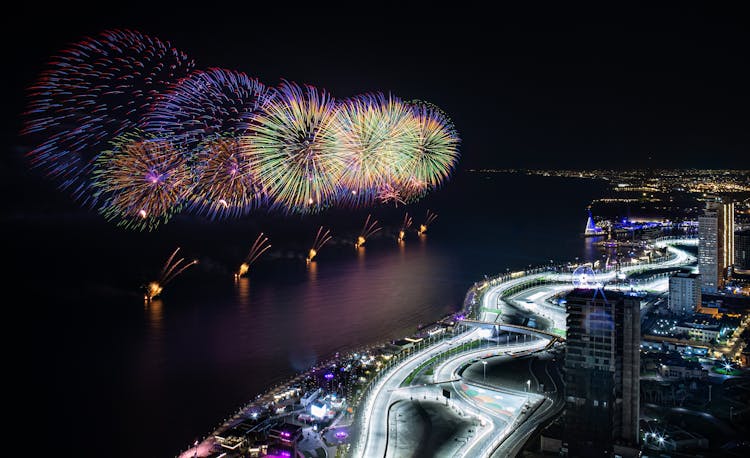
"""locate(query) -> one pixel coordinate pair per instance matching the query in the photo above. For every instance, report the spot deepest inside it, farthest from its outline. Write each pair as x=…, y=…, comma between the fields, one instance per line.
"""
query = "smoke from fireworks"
x=320, y=239
x=90, y=93
x=141, y=181
x=168, y=273
x=259, y=247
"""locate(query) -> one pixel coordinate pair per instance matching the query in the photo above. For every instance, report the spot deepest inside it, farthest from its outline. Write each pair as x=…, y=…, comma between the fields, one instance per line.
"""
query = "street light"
x=484, y=371
x=528, y=385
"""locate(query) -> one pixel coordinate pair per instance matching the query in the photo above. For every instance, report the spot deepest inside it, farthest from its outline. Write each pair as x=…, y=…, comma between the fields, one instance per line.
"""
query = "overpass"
x=511, y=328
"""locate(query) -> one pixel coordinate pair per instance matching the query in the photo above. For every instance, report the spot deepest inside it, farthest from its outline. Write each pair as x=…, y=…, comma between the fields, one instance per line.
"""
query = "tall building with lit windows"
x=715, y=244
x=602, y=374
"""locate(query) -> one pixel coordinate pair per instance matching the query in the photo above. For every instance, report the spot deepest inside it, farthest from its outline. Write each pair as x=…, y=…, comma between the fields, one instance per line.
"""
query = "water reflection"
x=243, y=290
x=155, y=315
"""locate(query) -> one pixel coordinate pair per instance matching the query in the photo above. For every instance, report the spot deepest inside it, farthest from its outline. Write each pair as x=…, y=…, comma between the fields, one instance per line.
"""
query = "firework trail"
x=404, y=227
x=259, y=247
x=291, y=145
x=370, y=228
x=320, y=239
x=428, y=220
x=141, y=182
x=90, y=93
x=376, y=138
x=170, y=270
x=205, y=105
x=225, y=184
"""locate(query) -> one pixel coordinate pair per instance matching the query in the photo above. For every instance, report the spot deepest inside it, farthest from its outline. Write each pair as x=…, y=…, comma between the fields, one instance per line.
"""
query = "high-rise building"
x=742, y=249
x=715, y=244
x=684, y=292
x=602, y=372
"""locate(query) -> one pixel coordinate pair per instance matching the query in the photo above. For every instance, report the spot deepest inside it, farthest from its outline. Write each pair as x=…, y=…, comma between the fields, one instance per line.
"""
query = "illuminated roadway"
x=512, y=435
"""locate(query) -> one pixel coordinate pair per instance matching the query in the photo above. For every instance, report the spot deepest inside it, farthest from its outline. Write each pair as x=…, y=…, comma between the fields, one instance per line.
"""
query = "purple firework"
x=205, y=105
x=92, y=92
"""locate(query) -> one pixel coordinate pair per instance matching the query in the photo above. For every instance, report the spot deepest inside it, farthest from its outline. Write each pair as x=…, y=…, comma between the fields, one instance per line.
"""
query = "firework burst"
x=291, y=146
x=90, y=93
x=405, y=225
x=429, y=218
x=259, y=247
x=141, y=182
x=320, y=239
x=170, y=270
x=225, y=184
x=376, y=138
x=205, y=105
x=370, y=227
x=436, y=154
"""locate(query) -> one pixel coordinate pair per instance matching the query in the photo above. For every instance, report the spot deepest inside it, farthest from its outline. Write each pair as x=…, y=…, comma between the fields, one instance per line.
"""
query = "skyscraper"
x=602, y=372
x=715, y=244
x=684, y=292
x=742, y=249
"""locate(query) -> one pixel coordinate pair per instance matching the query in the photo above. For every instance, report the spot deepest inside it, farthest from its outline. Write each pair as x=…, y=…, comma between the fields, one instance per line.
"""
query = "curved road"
x=513, y=430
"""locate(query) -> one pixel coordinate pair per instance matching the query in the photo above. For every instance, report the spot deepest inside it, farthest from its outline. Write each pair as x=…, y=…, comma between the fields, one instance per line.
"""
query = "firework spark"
x=170, y=270
x=141, y=182
x=404, y=227
x=291, y=146
x=427, y=221
x=370, y=228
x=376, y=138
x=205, y=105
x=320, y=239
x=259, y=247
x=92, y=92
x=436, y=154
x=225, y=184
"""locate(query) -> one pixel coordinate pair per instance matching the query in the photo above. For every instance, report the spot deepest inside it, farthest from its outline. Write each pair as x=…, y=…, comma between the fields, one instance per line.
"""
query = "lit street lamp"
x=528, y=385
x=484, y=371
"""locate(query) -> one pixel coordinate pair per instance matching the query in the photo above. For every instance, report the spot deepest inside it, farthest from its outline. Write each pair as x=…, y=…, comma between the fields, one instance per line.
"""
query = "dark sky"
x=540, y=87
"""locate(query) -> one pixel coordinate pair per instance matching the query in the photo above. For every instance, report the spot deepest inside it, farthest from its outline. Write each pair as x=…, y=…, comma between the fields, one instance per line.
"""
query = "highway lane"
x=387, y=390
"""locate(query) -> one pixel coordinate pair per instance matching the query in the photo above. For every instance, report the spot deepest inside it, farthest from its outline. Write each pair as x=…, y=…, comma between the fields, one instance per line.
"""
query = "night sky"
x=541, y=87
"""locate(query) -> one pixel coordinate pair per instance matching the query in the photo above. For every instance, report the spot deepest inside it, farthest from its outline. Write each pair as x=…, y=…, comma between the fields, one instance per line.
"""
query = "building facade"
x=742, y=249
x=715, y=244
x=602, y=372
x=684, y=292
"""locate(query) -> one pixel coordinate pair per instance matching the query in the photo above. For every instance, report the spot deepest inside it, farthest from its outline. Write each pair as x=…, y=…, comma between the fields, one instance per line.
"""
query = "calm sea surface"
x=114, y=378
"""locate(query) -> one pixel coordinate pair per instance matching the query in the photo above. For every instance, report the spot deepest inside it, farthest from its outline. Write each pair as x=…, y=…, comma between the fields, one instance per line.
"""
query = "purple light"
x=328, y=376
x=341, y=434
x=285, y=434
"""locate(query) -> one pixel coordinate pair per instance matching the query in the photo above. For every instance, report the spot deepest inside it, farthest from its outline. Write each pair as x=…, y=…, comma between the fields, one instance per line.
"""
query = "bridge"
x=511, y=328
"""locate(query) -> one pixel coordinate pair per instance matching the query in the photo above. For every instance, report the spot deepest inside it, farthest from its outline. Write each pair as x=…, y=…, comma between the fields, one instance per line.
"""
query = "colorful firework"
x=92, y=92
x=225, y=185
x=205, y=105
x=259, y=247
x=436, y=154
x=320, y=239
x=376, y=138
x=404, y=227
x=168, y=273
x=370, y=228
x=291, y=146
x=429, y=218
x=141, y=181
